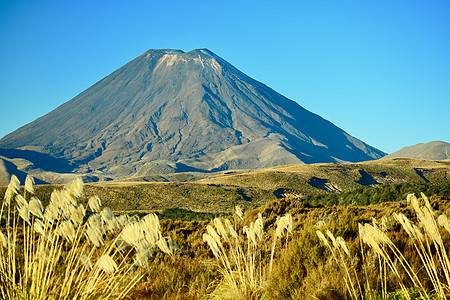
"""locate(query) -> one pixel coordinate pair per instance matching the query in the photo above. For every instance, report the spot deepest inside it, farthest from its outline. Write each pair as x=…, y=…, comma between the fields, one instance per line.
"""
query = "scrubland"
x=352, y=245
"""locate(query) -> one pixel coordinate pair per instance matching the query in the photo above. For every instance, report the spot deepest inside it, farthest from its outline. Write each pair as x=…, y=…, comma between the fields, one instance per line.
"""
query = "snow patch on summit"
x=222, y=63
x=169, y=59
x=217, y=68
x=199, y=59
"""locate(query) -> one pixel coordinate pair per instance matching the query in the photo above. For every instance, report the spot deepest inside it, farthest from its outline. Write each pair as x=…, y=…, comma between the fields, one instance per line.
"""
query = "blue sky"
x=379, y=70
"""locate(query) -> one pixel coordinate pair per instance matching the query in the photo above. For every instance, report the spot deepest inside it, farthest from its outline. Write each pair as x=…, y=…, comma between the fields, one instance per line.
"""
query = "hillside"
x=168, y=111
x=316, y=183
x=301, y=261
x=436, y=150
x=333, y=178
x=221, y=192
x=17, y=167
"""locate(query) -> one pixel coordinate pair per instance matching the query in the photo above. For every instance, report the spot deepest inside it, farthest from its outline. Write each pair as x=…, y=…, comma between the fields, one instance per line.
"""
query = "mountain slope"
x=8, y=168
x=193, y=111
x=436, y=150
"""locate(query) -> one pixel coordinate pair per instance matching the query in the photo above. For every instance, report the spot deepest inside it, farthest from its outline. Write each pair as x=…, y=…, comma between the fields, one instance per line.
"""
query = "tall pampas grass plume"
x=55, y=252
x=29, y=182
x=240, y=254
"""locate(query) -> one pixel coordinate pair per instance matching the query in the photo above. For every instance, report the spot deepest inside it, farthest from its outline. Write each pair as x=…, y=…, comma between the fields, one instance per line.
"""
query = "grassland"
x=340, y=198
x=219, y=194
x=303, y=267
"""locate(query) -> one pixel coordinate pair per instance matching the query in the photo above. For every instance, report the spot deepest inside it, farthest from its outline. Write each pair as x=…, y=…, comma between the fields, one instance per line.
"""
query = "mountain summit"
x=169, y=111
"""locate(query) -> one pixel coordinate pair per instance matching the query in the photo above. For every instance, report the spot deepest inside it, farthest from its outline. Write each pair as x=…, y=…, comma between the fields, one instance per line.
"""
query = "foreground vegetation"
x=289, y=248
x=64, y=251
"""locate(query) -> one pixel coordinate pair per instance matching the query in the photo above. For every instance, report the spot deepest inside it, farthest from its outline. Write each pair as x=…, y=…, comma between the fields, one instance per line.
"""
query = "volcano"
x=169, y=111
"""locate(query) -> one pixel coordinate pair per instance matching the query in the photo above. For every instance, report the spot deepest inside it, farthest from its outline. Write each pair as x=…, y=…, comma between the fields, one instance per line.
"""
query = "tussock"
x=425, y=238
x=57, y=253
x=240, y=256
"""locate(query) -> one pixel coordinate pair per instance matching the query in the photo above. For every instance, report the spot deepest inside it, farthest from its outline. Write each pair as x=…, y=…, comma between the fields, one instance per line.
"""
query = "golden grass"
x=240, y=255
x=73, y=249
x=61, y=253
x=418, y=266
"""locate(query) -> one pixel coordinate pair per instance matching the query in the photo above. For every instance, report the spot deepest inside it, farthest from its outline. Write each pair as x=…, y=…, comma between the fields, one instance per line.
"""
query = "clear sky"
x=379, y=70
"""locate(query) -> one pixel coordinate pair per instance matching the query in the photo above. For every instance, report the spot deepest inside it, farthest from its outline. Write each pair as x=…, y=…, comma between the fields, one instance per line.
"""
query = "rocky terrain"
x=168, y=111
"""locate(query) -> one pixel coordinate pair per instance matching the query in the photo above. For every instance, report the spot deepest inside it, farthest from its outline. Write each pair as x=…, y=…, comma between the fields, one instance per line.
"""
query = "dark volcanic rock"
x=194, y=110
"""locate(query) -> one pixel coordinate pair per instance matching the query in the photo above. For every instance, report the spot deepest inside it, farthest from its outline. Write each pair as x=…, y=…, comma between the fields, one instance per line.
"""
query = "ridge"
x=183, y=111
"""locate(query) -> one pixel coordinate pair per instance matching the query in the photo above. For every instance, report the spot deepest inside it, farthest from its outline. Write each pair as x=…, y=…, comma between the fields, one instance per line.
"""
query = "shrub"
x=304, y=271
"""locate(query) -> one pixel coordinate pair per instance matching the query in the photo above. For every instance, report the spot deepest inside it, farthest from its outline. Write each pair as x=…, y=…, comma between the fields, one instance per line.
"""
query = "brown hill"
x=334, y=178
x=436, y=150
x=221, y=192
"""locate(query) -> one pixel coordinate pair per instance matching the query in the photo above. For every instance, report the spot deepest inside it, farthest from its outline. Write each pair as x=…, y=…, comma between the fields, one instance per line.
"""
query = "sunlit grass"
x=67, y=251
x=240, y=255
x=64, y=250
x=427, y=278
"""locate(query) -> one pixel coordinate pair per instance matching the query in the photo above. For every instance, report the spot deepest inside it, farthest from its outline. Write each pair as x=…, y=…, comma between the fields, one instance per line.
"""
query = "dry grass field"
x=220, y=193
x=297, y=238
